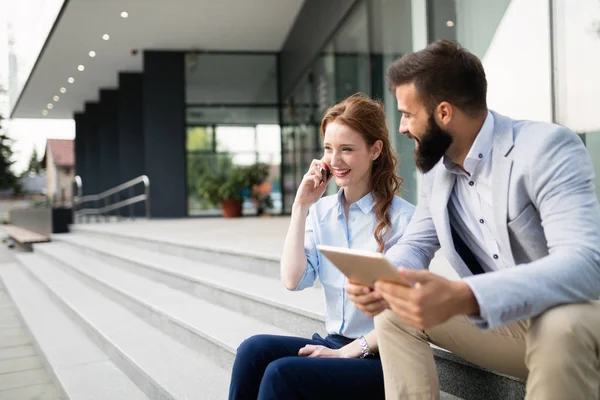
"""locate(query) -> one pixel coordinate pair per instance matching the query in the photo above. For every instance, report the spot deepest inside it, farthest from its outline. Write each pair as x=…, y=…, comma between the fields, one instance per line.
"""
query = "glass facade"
x=541, y=59
x=354, y=60
x=232, y=118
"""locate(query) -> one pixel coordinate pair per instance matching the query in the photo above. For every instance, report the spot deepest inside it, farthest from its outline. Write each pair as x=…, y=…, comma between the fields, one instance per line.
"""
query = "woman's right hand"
x=312, y=187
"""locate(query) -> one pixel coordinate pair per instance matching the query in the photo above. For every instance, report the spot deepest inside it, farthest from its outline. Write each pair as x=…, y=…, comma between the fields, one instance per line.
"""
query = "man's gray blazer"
x=547, y=219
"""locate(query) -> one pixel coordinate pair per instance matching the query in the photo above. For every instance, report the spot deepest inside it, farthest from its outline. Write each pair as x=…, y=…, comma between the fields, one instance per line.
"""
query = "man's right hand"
x=366, y=299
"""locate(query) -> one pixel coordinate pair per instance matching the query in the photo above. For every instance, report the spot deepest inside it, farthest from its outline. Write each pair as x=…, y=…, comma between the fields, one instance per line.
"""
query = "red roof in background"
x=63, y=152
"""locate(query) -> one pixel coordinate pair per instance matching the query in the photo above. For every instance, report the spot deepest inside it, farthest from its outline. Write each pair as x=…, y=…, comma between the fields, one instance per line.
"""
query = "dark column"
x=109, y=139
x=80, y=147
x=164, y=132
x=131, y=133
x=131, y=126
x=92, y=182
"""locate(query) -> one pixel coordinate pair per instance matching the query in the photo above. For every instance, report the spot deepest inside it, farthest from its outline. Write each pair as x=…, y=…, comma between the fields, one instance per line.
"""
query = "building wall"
x=52, y=175
x=65, y=186
x=59, y=182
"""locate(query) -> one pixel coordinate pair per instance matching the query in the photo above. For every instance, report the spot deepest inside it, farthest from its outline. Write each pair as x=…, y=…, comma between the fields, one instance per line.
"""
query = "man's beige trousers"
x=556, y=352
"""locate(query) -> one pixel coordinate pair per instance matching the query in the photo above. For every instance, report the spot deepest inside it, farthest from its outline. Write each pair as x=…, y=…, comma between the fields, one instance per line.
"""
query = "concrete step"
x=266, y=299
x=456, y=375
x=80, y=369
x=160, y=366
x=228, y=255
x=257, y=296
x=212, y=330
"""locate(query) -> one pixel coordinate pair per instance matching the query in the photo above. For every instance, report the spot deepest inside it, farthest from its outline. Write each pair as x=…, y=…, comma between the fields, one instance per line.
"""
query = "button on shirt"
x=470, y=206
x=326, y=224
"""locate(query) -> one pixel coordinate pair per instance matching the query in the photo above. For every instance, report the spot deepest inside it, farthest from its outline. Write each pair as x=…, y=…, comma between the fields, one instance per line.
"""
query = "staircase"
x=120, y=316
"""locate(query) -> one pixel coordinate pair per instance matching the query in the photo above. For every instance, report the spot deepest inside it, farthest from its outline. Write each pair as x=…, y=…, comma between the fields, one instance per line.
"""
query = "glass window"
x=397, y=27
x=233, y=120
x=236, y=139
x=200, y=138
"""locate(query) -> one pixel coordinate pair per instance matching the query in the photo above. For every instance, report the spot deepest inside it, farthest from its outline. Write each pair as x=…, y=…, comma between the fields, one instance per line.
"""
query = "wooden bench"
x=24, y=237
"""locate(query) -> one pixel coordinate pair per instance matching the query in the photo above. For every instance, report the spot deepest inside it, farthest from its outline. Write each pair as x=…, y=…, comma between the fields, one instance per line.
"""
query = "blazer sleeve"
x=560, y=184
x=419, y=242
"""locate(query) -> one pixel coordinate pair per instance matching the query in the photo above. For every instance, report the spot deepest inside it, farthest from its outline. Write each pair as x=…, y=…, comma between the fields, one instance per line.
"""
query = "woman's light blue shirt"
x=326, y=224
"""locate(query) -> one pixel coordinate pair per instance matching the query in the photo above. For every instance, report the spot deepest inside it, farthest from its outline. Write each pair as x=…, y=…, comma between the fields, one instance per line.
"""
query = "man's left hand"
x=431, y=300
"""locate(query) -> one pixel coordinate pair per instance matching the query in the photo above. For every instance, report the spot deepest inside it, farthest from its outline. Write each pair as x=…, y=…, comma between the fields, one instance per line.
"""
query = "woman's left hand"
x=311, y=350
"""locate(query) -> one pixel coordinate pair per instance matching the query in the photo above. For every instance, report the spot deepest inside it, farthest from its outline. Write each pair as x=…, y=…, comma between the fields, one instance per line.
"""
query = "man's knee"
x=565, y=329
x=389, y=322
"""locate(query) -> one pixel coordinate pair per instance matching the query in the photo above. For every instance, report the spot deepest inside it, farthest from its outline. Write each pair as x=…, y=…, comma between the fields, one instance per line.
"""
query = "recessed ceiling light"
x=56, y=98
x=124, y=14
x=50, y=105
x=449, y=24
x=63, y=90
x=106, y=36
x=81, y=67
x=71, y=79
x=92, y=53
x=45, y=112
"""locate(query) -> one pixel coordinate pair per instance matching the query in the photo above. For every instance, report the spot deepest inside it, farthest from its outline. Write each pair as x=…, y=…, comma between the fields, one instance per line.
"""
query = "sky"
x=27, y=133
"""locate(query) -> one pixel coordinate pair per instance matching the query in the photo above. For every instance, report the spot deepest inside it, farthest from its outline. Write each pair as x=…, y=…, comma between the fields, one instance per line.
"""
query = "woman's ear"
x=376, y=149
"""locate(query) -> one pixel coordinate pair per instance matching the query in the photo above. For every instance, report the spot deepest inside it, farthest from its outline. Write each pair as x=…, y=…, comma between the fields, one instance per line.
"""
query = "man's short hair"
x=443, y=71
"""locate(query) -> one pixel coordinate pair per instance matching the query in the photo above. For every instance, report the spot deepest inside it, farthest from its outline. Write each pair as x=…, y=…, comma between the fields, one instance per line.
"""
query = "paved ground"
x=22, y=375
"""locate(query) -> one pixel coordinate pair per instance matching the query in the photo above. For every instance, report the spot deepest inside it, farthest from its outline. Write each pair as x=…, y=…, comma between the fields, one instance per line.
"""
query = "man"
x=512, y=206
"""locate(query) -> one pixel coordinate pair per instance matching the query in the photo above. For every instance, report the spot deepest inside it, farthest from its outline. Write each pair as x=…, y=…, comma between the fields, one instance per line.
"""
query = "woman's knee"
x=278, y=375
x=254, y=346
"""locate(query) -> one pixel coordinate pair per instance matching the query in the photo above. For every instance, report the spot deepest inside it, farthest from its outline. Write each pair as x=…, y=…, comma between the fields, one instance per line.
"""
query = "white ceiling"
x=226, y=25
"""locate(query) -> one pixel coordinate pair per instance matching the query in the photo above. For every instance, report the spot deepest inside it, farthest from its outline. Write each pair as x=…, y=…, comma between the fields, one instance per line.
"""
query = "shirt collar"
x=365, y=204
x=481, y=148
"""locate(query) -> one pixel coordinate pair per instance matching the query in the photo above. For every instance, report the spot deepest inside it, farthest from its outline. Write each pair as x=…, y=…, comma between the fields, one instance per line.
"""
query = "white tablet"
x=360, y=266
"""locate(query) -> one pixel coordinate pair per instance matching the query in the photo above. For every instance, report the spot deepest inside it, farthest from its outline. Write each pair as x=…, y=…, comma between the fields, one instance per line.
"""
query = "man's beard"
x=432, y=146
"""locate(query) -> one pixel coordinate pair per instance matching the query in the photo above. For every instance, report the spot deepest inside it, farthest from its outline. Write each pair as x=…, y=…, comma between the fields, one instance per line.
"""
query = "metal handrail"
x=79, y=184
x=106, y=197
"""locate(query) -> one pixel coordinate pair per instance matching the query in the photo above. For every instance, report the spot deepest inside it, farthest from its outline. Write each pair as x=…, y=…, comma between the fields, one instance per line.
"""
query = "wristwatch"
x=366, y=350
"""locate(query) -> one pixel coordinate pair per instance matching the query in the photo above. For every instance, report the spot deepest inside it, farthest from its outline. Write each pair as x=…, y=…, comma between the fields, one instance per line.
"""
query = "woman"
x=365, y=214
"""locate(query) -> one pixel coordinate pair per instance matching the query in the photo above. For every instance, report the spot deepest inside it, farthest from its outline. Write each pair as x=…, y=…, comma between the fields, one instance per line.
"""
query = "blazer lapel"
x=501, y=169
x=442, y=189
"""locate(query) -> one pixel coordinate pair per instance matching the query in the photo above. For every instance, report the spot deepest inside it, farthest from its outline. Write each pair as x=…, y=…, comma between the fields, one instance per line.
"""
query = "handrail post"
x=76, y=196
x=106, y=215
x=147, y=193
x=131, y=209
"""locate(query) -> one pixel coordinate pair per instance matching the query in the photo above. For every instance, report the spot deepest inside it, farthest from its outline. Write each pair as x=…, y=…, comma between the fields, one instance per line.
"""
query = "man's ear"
x=444, y=112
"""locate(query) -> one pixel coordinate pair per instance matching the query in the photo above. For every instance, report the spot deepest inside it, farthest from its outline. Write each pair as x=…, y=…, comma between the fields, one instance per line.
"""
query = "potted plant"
x=224, y=188
x=260, y=187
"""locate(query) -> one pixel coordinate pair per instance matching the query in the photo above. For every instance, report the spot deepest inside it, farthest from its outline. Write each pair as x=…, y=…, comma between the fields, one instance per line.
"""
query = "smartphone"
x=325, y=174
